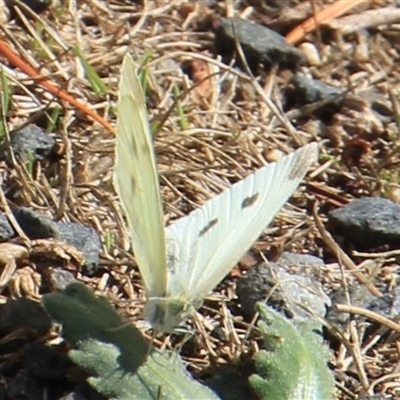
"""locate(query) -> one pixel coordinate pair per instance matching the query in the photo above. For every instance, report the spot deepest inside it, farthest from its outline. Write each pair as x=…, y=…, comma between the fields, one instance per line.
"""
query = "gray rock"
x=259, y=44
x=58, y=278
x=3, y=391
x=32, y=142
x=43, y=362
x=23, y=313
x=83, y=238
x=367, y=222
x=6, y=230
x=307, y=90
x=35, y=225
x=26, y=387
x=295, y=259
x=388, y=305
x=229, y=384
x=289, y=285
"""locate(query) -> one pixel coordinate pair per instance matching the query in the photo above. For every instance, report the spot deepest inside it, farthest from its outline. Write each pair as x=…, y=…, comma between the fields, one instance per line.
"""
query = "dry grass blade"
x=9, y=254
x=380, y=319
x=365, y=20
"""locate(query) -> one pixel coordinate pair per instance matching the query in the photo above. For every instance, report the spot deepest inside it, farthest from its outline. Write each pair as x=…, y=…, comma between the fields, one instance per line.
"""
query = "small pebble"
x=368, y=222
x=259, y=44
x=311, y=53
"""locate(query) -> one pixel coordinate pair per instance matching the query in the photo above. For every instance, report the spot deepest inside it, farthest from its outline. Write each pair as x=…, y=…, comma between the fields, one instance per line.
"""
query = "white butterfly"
x=182, y=263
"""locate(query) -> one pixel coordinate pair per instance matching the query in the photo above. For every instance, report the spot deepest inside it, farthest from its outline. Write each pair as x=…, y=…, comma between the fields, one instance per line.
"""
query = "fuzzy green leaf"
x=121, y=363
x=295, y=366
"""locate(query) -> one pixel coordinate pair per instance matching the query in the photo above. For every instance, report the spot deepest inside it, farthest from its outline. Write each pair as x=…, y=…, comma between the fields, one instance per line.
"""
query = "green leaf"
x=295, y=367
x=121, y=363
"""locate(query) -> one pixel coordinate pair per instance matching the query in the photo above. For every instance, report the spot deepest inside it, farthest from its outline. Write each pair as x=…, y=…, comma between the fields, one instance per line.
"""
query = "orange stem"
x=56, y=91
x=330, y=12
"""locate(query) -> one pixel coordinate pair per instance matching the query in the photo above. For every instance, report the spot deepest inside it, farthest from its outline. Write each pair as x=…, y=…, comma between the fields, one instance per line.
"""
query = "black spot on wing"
x=172, y=261
x=134, y=148
x=250, y=201
x=204, y=230
x=133, y=184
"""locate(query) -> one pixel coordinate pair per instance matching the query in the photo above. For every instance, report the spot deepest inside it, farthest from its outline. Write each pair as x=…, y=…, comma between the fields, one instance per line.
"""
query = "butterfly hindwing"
x=213, y=238
x=136, y=182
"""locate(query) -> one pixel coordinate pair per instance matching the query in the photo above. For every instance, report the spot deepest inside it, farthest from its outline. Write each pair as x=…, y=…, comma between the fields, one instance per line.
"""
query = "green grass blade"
x=97, y=84
x=6, y=97
x=183, y=121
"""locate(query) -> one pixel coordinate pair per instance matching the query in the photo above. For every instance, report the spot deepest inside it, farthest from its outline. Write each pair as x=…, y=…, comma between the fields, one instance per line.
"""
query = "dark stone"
x=388, y=305
x=368, y=222
x=259, y=43
x=313, y=90
x=256, y=286
x=296, y=259
x=23, y=313
x=83, y=392
x=3, y=391
x=43, y=362
x=21, y=321
x=35, y=225
x=283, y=287
x=6, y=230
x=26, y=387
x=32, y=142
x=58, y=278
x=306, y=90
x=83, y=238
x=229, y=385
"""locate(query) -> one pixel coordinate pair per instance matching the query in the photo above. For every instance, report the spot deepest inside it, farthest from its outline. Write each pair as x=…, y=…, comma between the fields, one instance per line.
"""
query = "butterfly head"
x=166, y=314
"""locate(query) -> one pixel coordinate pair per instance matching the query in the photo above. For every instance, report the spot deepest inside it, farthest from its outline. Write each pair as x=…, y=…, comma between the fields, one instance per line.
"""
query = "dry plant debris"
x=212, y=128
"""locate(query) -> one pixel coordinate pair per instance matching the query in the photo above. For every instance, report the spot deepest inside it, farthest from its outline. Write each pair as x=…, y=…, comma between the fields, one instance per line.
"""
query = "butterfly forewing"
x=136, y=182
x=213, y=238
